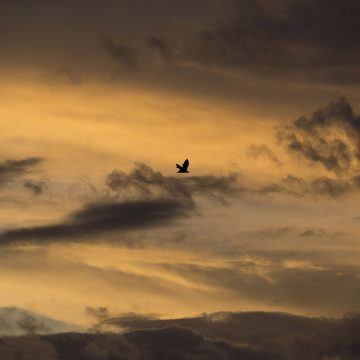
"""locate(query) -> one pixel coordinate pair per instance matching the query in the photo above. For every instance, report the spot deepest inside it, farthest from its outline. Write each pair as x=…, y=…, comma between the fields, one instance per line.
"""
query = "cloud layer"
x=294, y=37
x=298, y=39
x=141, y=199
x=263, y=336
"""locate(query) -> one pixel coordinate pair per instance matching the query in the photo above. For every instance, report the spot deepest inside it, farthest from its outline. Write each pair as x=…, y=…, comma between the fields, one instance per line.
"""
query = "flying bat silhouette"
x=184, y=167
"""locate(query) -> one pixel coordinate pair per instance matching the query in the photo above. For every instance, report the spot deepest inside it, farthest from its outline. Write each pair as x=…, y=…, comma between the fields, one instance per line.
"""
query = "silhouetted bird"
x=184, y=167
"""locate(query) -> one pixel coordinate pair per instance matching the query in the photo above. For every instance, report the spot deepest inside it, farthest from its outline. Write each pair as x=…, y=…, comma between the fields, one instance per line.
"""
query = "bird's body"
x=184, y=167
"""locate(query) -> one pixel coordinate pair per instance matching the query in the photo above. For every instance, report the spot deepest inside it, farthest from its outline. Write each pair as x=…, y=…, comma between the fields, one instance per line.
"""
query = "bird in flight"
x=184, y=167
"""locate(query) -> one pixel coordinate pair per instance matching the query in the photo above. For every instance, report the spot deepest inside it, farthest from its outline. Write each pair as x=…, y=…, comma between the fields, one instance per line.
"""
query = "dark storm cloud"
x=11, y=169
x=330, y=137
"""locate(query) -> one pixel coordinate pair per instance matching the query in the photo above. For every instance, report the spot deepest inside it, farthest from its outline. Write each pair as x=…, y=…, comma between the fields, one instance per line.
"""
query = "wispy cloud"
x=11, y=169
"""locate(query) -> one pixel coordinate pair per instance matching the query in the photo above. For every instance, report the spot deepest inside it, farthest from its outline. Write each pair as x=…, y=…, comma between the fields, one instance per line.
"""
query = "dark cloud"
x=144, y=181
x=274, y=335
x=218, y=49
x=330, y=137
x=294, y=37
x=145, y=198
x=263, y=336
x=182, y=343
x=237, y=327
x=172, y=342
x=98, y=219
x=183, y=36
x=11, y=169
x=300, y=39
x=142, y=199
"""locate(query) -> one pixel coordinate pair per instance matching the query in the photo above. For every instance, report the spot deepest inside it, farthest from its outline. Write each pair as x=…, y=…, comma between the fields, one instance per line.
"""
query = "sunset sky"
x=99, y=99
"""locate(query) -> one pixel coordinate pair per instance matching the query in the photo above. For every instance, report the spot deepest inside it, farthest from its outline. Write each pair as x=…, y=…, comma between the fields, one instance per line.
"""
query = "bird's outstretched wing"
x=185, y=165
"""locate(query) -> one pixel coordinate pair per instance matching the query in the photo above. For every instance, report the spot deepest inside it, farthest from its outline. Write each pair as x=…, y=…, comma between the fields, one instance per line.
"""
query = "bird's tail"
x=178, y=166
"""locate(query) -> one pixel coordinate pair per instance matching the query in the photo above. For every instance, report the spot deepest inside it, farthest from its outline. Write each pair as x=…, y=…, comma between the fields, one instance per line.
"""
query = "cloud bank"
x=247, y=336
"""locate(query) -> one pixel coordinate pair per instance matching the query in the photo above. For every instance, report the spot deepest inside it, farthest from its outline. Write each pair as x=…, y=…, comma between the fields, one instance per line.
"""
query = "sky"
x=100, y=100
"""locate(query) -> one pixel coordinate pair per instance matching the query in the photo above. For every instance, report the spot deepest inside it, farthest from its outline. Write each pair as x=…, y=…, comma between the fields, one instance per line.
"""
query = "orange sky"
x=89, y=100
